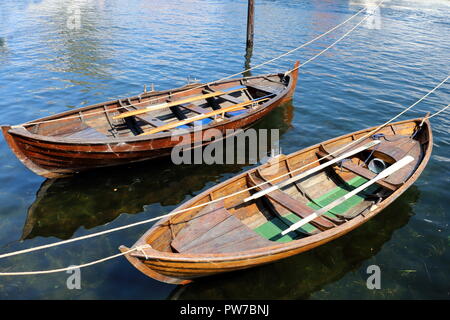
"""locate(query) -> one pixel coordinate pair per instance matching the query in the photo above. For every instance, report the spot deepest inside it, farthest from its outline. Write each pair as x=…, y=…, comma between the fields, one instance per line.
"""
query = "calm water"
x=46, y=67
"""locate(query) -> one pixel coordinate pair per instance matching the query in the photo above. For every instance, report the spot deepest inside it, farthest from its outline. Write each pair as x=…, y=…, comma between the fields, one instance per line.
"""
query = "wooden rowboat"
x=146, y=126
x=245, y=229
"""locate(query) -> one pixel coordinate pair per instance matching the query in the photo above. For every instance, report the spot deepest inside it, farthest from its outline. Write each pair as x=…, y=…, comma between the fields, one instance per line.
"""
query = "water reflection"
x=4, y=30
x=3, y=50
x=300, y=276
x=95, y=198
x=373, y=12
x=248, y=60
x=78, y=40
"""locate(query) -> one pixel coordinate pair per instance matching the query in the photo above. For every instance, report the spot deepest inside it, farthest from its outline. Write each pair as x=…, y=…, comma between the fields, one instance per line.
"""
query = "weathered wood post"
x=250, y=22
x=250, y=34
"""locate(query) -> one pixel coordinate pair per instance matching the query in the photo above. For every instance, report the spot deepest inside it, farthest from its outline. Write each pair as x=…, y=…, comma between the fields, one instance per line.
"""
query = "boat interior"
x=185, y=108
x=232, y=225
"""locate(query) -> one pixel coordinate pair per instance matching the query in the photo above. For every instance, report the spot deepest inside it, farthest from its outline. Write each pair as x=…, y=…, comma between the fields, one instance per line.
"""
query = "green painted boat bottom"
x=340, y=191
x=272, y=229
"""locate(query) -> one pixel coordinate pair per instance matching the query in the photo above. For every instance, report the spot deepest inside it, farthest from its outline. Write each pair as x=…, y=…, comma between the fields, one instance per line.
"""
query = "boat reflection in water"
x=302, y=275
x=92, y=199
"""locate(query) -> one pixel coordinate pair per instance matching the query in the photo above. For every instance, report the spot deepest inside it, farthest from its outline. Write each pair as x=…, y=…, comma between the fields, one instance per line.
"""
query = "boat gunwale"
x=295, y=245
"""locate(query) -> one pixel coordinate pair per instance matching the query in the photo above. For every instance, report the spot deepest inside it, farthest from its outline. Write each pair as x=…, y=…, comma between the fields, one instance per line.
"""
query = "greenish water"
x=45, y=68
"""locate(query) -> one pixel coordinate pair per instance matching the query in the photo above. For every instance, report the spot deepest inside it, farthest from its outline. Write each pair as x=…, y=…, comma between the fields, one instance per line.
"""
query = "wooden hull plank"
x=216, y=231
x=200, y=223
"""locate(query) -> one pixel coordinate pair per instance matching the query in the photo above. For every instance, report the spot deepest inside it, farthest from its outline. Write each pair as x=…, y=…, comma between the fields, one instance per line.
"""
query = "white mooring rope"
x=197, y=206
x=436, y=113
x=28, y=273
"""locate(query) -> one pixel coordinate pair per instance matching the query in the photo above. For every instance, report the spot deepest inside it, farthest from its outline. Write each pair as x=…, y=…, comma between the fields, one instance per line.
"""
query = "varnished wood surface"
x=162, y=261
x=87, y=140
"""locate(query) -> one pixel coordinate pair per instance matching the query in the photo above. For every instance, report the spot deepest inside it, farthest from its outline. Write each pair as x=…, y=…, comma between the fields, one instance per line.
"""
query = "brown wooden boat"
x=244, y=230
x=145, y=126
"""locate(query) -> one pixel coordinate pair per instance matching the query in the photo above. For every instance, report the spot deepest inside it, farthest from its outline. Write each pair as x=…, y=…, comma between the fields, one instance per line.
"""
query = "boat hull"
x=53, y=157
x=173, y=269
x=179, y=268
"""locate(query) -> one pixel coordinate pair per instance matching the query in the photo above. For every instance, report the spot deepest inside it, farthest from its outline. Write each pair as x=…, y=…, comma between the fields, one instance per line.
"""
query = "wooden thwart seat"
x=169, y=104
x=396, y=150
x=360, y=171
x=367, y=174
x=231, y=99
x=267, y=90
x=215, y=230
x=173, y=125
x=226, y=97
x=291, y=204
x=146, y=118
x=155, y=122
x=194, y=108
x=398, y=147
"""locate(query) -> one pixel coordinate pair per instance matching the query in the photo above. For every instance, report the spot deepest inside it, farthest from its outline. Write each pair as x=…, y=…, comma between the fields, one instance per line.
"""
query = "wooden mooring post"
x=250, y=34
x=250, y=23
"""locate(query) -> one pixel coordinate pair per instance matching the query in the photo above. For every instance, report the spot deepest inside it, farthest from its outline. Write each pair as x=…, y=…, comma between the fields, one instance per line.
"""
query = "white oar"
x=383, y=174
x=311, y=171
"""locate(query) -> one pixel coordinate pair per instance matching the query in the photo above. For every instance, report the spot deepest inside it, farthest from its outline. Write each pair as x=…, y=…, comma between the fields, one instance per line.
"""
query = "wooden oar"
x=202, y=116
x=311, y=171
x=383, y=174
x=176, y=103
